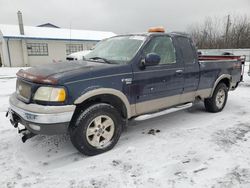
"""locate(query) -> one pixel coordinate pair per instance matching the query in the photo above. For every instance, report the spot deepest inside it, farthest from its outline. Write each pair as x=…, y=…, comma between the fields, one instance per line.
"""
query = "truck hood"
x=51, y=73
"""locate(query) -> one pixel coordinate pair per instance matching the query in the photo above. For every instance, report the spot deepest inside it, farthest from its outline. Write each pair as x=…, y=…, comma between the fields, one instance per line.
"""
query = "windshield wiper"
x=101, y=58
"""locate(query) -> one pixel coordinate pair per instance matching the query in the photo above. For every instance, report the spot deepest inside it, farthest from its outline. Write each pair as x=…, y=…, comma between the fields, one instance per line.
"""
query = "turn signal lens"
x=58, y=94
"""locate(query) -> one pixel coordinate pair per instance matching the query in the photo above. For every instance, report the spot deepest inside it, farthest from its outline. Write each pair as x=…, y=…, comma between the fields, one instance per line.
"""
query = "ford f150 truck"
x=123, y=77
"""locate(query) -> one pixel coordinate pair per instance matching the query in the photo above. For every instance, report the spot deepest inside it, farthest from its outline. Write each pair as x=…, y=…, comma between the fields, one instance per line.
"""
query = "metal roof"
x=45, y=33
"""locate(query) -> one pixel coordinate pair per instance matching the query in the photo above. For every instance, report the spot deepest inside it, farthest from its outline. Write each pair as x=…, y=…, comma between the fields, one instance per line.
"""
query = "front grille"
x=23, y=90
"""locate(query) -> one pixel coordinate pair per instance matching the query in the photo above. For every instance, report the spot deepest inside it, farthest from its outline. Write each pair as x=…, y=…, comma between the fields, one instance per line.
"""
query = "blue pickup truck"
x=122, y=77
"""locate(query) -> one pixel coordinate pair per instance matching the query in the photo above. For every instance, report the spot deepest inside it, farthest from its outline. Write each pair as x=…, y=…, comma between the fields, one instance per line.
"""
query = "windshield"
x=119, y=50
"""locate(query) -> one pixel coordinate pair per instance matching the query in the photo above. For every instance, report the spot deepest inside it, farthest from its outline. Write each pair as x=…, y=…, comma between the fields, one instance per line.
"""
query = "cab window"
x=186, y=49
x=162, y=46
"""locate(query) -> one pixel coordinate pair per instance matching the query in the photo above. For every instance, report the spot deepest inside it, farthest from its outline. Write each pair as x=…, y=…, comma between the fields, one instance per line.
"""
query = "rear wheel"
x=96, y=130
x=218, y=101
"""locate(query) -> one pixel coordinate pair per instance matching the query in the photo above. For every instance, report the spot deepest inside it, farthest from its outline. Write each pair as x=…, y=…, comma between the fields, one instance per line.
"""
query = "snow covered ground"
x=188, y=148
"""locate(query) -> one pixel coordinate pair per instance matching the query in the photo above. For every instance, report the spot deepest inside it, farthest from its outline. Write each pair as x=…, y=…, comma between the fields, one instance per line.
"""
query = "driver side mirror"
x=151, y=59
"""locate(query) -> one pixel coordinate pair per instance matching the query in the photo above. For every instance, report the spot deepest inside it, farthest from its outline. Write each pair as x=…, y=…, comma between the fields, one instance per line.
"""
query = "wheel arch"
x=106, y=95
x=224, y=78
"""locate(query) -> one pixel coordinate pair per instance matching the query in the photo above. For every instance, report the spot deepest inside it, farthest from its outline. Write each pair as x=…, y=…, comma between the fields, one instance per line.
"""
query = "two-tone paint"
x=140, y=90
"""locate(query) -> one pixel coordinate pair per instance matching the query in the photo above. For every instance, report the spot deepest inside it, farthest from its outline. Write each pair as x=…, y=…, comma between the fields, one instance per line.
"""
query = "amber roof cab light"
x=156, y=29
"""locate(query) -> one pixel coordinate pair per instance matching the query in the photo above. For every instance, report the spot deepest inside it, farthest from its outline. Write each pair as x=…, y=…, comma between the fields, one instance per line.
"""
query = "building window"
x=89, y=45
x=72, y=48
x=37, y=49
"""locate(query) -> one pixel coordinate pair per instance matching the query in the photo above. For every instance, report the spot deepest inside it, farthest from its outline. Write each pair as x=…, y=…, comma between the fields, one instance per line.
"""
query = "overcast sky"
x=119, y=16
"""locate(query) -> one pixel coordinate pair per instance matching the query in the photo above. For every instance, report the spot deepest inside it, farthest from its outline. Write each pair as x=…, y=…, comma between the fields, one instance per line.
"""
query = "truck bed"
x=211, y=67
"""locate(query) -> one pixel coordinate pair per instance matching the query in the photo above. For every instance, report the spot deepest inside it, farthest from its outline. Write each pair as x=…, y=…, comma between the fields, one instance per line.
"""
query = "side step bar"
x=164, y=112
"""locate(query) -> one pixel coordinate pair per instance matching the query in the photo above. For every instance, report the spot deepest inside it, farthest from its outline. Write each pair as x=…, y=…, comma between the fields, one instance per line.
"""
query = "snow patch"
x=193, y=149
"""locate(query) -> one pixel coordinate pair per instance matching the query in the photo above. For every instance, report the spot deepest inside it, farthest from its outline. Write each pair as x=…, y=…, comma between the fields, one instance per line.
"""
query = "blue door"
x=160, y=86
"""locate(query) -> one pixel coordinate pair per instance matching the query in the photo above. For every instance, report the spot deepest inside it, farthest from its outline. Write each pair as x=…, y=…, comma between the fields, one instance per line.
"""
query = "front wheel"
x=218, y=101
x=96, y=130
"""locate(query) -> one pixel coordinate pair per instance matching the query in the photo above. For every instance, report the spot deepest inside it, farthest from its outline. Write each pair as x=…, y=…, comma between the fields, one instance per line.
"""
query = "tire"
x=218, y=101
x=96, y=129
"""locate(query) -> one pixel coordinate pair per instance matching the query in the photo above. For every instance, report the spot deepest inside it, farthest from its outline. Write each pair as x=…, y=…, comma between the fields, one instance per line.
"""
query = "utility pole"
x=227, y=30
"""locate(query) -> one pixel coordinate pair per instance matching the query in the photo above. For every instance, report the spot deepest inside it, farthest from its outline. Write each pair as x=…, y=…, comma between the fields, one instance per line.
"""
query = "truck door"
x=188, y=57
x=158, y=86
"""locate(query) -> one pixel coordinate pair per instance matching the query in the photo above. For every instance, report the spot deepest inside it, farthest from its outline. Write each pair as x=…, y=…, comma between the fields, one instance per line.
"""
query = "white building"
x=40, y=45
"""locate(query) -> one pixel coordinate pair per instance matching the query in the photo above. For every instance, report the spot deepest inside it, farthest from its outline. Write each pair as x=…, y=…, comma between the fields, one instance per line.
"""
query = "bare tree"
x=222, y=33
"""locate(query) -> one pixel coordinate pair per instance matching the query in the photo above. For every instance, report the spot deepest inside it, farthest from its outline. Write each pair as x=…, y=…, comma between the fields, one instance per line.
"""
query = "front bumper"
x=40, y=119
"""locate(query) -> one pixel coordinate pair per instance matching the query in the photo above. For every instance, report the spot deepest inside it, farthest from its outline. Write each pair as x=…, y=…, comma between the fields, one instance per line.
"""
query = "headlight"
x=50, y=94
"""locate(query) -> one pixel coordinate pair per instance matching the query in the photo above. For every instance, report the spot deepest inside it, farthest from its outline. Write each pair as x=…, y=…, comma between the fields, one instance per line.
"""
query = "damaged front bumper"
x=40, y=119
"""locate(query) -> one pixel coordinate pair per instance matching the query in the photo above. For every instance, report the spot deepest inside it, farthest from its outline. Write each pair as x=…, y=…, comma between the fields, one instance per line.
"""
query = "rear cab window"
x=186, y=50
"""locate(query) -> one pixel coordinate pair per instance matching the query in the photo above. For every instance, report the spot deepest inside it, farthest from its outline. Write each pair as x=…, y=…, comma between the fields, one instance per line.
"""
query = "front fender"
x=102, y=91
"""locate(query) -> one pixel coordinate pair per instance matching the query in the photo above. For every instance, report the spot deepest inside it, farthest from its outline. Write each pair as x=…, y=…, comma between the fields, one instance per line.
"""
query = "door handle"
x=179, y=72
